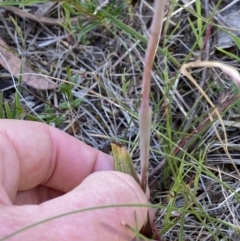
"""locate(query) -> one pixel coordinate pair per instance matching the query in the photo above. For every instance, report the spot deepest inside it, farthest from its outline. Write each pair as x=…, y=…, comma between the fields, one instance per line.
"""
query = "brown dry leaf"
x=28, y=76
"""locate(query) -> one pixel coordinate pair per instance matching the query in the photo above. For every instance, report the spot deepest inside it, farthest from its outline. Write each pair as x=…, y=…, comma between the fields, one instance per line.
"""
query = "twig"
x=39, y=19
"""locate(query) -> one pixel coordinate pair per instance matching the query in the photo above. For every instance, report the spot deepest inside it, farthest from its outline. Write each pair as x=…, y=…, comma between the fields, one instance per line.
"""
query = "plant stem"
x=145, y=113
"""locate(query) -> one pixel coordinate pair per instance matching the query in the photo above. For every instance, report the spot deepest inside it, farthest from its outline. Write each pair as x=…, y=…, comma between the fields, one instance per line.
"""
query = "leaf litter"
x=13, y=64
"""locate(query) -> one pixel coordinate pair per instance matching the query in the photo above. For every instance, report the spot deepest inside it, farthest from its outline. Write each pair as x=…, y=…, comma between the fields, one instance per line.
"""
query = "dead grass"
x=192, y=180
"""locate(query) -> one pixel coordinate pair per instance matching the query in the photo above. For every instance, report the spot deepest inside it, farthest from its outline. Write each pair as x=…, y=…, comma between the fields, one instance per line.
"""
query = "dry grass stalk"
x=232, y=73
x=145, y=112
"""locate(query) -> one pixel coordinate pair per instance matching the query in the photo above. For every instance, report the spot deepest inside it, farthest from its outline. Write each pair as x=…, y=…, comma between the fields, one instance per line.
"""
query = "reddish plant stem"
x=145, y=109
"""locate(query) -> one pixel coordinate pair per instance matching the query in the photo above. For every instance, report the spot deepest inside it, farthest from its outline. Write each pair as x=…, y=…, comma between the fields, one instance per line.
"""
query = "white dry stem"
x=232, y=73
x=145, y=115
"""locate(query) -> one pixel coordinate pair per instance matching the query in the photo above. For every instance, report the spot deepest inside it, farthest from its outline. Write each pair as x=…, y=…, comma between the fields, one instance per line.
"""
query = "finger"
x=42, y=194
x=35, y=153
x=36, y=195
x=99, y=189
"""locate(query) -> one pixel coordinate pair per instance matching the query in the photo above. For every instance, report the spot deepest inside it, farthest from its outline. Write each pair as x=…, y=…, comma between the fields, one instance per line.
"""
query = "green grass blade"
x=2, y=113
x=8, y=110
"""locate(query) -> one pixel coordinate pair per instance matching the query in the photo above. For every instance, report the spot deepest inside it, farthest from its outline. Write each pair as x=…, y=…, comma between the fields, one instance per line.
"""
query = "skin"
x=44, y=172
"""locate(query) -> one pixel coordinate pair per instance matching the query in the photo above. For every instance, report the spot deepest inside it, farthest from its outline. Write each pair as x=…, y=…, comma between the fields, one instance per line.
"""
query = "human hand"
x=45, y=172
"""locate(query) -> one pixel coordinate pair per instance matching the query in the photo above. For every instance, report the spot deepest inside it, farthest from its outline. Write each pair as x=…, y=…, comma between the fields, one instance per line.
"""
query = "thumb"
x=98, y=189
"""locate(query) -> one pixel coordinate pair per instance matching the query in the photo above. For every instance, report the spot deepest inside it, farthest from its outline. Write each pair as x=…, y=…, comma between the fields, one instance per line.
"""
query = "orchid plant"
x=123, y=161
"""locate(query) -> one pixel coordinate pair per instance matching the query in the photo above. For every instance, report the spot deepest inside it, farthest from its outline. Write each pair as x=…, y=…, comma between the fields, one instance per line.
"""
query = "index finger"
x=35, y=153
